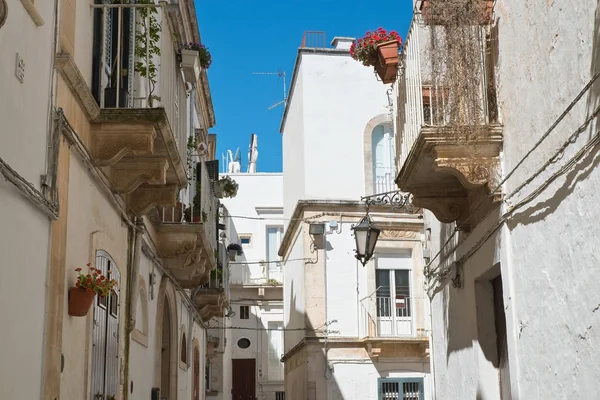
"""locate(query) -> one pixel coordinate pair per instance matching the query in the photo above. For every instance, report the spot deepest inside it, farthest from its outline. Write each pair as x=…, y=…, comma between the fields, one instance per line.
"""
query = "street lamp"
x=366, y=236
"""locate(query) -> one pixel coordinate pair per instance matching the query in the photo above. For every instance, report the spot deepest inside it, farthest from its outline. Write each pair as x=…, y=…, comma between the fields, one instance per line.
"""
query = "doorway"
x=244, y=379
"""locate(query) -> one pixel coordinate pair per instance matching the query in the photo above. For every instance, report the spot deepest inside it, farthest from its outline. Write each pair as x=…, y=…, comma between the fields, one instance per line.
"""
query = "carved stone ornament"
x=3, y=12
x=398, y=234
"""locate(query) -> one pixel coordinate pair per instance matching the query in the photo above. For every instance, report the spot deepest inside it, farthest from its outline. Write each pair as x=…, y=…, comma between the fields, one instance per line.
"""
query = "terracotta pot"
x=387, y=61
x=485, y=19
x=80, y=302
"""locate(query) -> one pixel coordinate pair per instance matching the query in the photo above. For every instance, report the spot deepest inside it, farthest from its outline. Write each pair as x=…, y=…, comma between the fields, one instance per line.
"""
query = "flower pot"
x=190, y=64
x=80, y=301
x=110, y=98
x=387, y=61
x=429, y=19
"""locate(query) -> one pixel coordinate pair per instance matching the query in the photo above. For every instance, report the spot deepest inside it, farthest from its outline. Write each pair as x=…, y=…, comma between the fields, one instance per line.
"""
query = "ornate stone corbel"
x=113, y=141
x=143, y=199
x=129, y=173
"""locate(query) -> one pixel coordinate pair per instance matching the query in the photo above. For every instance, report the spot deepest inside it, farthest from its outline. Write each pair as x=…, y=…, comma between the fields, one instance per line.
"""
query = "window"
x=244, y=312
x=279, y=395
x=105, y=335
x=275, y=337
x=207, y=376
x=274, y=236
x=401, y=389
x=183, y=349
x=393, y=295
x=245, y=240
x=384, y=153
x=244, y=343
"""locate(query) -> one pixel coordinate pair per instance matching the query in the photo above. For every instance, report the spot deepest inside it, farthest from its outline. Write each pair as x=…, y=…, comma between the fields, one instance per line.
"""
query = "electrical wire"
x=593, y=142
x=493, y=193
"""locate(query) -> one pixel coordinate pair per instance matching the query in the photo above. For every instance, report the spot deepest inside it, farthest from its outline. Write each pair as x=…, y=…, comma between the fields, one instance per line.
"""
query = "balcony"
x=212, y=297
x=255, y=273
x=136, y=103
x=394, y=325
x=187, y=233
x=449, y=149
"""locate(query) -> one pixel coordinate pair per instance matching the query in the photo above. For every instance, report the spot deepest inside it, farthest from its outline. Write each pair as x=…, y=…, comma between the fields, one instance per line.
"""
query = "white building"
x=95, y=181
x=27, y=190
x=513, y=274
x=255, y=331
x=352, y=332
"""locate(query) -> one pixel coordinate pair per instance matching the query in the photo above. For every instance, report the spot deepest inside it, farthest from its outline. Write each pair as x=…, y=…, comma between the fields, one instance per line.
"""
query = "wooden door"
x=244, y=379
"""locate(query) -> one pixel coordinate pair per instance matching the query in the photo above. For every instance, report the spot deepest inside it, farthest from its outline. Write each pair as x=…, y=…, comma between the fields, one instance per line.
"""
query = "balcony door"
x=384, y=151
x=274, y=237
x=393, y=296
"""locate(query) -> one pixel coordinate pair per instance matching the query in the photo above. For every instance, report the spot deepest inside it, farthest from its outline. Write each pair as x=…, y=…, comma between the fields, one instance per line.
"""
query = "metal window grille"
x=279, y=395
x=401, y=389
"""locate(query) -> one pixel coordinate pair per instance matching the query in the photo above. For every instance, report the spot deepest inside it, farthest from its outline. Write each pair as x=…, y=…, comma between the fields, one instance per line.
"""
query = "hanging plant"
x=203, y=54
x=226, y=187
x=365, y=50
x=86, y=288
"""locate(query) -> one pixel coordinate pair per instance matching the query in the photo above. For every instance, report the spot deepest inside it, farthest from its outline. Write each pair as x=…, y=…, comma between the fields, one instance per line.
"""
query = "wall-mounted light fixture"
x=366, y=235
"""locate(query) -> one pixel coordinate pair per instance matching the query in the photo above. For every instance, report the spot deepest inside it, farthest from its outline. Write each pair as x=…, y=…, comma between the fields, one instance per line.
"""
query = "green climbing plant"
x=147, y=38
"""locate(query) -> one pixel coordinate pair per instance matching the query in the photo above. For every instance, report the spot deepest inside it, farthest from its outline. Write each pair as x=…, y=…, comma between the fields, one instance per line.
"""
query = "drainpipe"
x=133, y=267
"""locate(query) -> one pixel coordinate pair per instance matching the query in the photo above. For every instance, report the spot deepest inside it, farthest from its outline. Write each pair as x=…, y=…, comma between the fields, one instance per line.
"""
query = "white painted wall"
x=333, y=100
x=260, y=201
x=358, y=379
x=548, y=249
x=24, y=114
x=293, y=147
x=294, y=299
x=143, y=355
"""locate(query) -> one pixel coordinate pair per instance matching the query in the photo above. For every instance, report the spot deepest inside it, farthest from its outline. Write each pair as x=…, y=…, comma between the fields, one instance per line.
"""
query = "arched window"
x=183, y=349
x=383, y=151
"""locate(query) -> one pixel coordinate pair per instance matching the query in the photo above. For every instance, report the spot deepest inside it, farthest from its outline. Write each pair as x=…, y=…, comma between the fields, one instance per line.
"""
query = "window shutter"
x=213, y=170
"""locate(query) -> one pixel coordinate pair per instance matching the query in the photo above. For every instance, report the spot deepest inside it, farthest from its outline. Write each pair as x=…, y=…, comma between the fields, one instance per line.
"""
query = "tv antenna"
x=280, y=74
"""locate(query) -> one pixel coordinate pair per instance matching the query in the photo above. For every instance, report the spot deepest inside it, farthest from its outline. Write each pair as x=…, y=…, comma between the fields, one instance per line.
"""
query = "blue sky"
x=246, y=36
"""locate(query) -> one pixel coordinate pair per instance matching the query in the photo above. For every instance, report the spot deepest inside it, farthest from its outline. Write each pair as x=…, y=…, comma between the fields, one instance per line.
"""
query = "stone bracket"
x=445, y=171
x=112, y=142
x=129, y=173
x=144, y=198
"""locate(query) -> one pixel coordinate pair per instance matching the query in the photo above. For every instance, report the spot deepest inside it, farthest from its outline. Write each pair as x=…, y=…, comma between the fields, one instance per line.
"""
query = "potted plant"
x=379, y=49
x=87, y=286
x=193, y=57
x=226, y=187
x=431, y=15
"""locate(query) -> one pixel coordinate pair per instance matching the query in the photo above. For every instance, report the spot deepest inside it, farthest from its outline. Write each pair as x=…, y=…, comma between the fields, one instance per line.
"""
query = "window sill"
x=212, y=393
x=33, y=12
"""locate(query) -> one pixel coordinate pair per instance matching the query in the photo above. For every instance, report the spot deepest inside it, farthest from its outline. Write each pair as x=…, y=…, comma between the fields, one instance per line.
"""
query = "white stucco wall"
x=547, y=250
x=294, y=293
x=293, y=148
x=257, y=206
x=340, y=97
x=143, y=356
x=24, y=230
x=24, y=107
